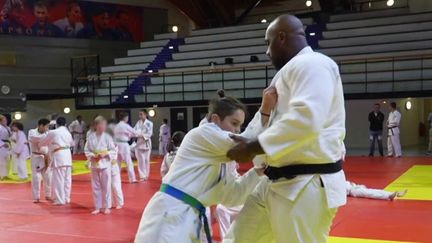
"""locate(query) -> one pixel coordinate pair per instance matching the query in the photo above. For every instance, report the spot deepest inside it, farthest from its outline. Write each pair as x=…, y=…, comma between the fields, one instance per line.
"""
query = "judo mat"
x=361, y=220
x=418, y=181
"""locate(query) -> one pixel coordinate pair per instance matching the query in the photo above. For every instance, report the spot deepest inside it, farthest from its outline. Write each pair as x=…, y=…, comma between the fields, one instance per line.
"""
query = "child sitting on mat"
x=197, y=179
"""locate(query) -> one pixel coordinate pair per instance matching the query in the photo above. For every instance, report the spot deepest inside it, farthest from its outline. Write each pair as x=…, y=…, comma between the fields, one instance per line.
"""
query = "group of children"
x=13, y=149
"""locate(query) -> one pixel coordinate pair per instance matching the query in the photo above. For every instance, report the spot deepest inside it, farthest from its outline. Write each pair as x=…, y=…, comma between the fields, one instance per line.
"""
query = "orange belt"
x=61, y=148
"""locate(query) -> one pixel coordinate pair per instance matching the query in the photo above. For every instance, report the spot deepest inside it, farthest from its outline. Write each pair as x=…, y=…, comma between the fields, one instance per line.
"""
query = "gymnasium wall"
x=356, y=123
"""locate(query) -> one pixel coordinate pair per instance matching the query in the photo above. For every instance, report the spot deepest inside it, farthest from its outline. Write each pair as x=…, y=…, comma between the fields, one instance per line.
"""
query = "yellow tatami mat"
x=418, y=181
x=79, y=168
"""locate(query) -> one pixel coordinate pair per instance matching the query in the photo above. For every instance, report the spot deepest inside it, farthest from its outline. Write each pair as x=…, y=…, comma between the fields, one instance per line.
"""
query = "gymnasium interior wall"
x=356, y=120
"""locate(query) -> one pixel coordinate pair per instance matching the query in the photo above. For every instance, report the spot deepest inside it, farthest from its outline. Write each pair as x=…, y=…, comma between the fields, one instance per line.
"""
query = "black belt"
x=291, y=171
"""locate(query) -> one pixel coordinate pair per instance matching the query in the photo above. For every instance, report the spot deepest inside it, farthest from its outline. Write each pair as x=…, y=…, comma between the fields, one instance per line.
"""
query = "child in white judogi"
x=20, y=150
x=100, y=151
x=60, y=142
x=393, y=141
x=39, y=161
x=164, y=137
x=173, y=146
x=77, y=129
x=123, y=132
x=143, y=147
x=355, y=190
x=198, y=179
x=5, y=146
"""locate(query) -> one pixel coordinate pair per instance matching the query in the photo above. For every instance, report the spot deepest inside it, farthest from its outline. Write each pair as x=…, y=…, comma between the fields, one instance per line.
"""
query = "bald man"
x=301, y=140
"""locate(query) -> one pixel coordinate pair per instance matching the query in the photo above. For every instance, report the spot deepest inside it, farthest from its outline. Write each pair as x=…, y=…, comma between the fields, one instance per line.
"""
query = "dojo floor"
x=362, y=220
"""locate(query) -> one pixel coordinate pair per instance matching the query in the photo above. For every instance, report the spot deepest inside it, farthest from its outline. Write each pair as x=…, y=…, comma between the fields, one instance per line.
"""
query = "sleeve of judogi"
x=311, y=85
x=214, y=141
x=254, y=127
x=19, y=144
x=238, y=188
x=72, y=126
x=45, y=141
x=88, y=151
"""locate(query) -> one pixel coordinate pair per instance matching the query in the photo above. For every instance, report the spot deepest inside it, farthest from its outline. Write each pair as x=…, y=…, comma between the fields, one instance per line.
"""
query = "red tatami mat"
x=23, y=221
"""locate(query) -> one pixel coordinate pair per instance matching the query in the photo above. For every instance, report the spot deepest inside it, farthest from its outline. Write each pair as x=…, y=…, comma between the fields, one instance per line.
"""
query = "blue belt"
x=191, y=201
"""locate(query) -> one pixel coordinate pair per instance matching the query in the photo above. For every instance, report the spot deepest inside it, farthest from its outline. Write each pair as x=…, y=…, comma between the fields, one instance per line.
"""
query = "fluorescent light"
x=175, y=28
x=312, y=34
x=152, y=113
x=17, y=116
x=263, y=21
x=390, y=3
x=408, y=105
x=150, y=71
x=171, y=47
x=66, y=110
x=125, y=96
x=308, y=3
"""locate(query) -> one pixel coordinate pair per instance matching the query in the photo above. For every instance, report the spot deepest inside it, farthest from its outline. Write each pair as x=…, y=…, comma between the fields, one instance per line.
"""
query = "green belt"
x=191, y=201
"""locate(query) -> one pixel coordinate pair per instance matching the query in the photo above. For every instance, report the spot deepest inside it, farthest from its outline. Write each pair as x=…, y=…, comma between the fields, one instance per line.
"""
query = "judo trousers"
x=62, y=184
x=143, y=157
x=124, y=154
x=270, y=217
x=38, y=177
x=101, y=186
x=117, y=192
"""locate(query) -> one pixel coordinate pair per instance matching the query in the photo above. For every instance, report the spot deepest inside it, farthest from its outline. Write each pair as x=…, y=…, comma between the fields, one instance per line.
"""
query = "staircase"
x=137, y=86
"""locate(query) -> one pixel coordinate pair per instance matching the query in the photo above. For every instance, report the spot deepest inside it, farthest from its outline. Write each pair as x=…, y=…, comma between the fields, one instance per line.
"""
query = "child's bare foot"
x=36, y=201
x=97, y=211
x=107, y=211
x=392, y=196
x=401, y=193
x=119, y=207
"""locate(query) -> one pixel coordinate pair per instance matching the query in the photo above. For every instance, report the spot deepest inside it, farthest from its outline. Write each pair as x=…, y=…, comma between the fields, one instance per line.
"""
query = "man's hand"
x=245, y=150
x=269, y=100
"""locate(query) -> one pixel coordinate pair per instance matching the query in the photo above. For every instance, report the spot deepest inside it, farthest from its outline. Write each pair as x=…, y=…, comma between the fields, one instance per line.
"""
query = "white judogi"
x=355, y=190
x=77, y=129
x=39, y=170
x=59, y=142
x=167, y=162
x=101, y=170
x=123, y=132
x=20, y=152
x=68, y=29
x=144, y=147
x=117, y=192
x=393, y=141
x=307, y=126
x=199, y=171
x=164, y=138
x=5, y=152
